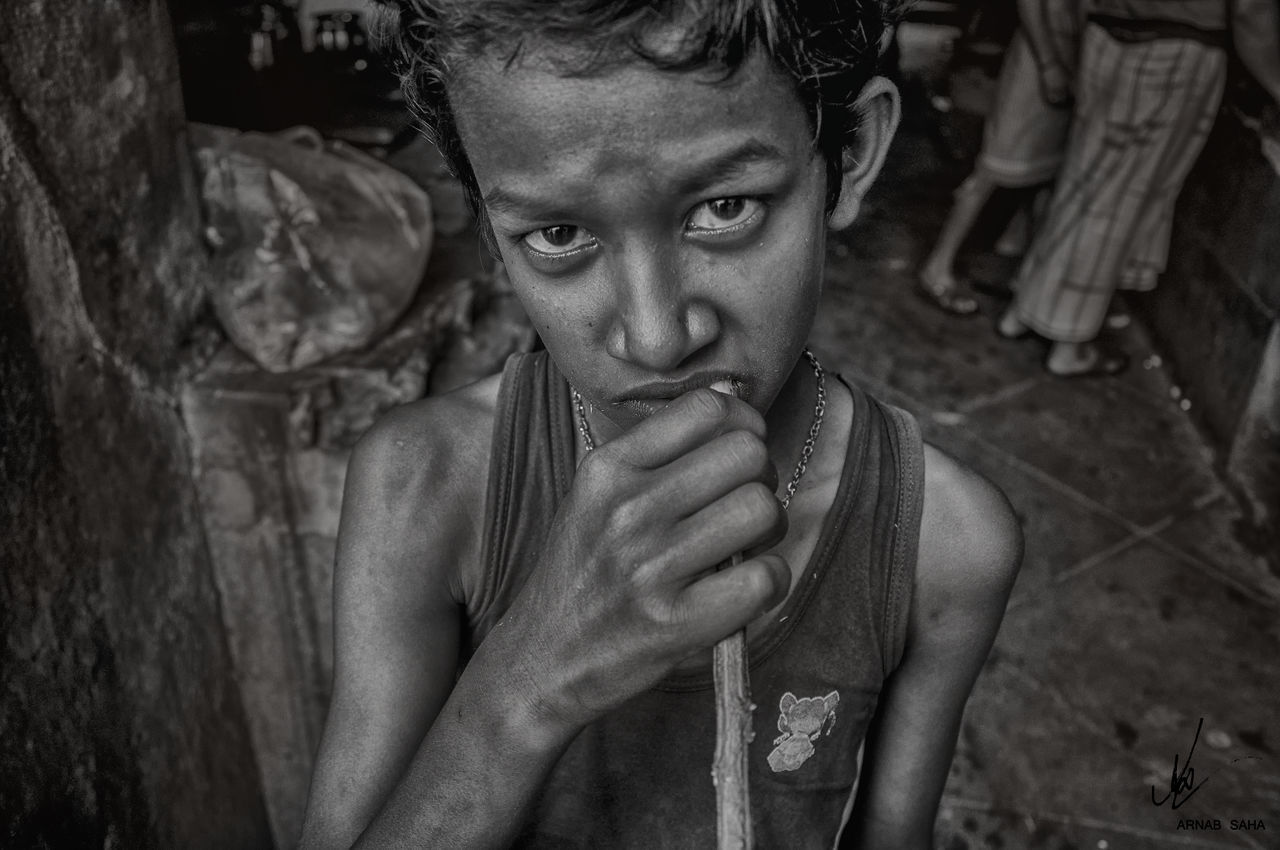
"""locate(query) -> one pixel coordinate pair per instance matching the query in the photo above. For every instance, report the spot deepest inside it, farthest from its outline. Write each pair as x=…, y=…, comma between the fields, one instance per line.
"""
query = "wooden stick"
x=733, y=730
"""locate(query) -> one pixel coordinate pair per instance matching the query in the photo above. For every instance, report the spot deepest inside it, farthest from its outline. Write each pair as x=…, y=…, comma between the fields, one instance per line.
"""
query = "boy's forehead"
x=528, y=119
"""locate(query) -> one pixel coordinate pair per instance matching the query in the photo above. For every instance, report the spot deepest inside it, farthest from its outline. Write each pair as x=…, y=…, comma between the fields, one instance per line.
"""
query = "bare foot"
x=945, y=292
x=1139, y=277
x=1010, y=326
x=1082, y=360
x=1118, y=319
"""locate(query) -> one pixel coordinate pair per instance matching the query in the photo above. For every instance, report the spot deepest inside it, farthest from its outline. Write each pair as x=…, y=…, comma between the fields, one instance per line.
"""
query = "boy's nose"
x=659, y=323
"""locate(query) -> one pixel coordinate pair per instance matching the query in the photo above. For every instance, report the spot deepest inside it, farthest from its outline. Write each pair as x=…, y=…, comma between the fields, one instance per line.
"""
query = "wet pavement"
x=1140, y=616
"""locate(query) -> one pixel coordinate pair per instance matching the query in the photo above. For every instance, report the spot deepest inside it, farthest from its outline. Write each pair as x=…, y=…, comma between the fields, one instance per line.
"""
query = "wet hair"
x=828, y=48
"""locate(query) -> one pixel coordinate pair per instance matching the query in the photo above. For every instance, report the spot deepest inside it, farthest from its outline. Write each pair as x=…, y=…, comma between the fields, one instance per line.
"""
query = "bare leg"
x=1017, y=235
x=937, y=274
x=1040, y=204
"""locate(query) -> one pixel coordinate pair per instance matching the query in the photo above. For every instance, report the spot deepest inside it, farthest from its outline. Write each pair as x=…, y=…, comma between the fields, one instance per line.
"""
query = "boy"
x=526, y=591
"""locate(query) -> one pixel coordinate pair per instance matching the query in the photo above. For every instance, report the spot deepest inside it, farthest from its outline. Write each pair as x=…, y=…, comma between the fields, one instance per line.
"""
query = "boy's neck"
x=789, y=419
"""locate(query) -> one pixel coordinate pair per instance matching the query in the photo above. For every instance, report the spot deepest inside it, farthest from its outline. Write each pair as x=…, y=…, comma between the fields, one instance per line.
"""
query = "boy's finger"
x=748, y=517
x=684, y=424
x=723, y=602
x=708, y=472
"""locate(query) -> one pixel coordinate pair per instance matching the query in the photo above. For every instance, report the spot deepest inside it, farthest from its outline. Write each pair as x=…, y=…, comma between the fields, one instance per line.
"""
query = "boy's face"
x=663, y=229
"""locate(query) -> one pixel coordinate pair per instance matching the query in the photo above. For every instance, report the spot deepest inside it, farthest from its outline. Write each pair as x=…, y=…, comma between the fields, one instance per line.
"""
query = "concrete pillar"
x=120, y=722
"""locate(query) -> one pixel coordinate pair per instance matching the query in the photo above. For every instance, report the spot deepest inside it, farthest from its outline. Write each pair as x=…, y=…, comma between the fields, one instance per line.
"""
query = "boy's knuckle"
x=627, y=516
x=760, y=502
x=593, y=467
x=747, y=450
x=655, y=610
x=779, y=572
x=646, y=574
x=757, y=583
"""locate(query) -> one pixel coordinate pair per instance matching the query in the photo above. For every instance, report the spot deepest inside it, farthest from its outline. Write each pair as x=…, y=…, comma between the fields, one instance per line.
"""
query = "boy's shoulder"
x=422, y=469
x=435, y=434
x=970, y=540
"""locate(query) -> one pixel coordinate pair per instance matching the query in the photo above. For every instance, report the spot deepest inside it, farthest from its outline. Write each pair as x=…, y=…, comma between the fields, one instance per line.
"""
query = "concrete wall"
x=1216, y=311
x=120, y=724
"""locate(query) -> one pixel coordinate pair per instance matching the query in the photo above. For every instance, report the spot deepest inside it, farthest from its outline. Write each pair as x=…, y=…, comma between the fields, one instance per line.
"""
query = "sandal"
x=947, y=298
x=1103, y=366
x=1118, y=321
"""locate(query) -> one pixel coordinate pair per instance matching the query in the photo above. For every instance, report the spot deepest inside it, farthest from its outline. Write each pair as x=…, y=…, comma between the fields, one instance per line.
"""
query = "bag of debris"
x=317, y=247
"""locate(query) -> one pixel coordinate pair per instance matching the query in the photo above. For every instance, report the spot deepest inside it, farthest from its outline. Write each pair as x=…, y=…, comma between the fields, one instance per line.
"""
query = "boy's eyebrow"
x=500, y=200
x=750, y=152
x=729, y=165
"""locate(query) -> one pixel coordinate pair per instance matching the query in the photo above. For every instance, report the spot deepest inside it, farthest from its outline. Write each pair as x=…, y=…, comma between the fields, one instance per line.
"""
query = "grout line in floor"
x=1257, y=594
x=1151, y=535
x=1005, y=393
x=1033, y=471
x=1080, y=567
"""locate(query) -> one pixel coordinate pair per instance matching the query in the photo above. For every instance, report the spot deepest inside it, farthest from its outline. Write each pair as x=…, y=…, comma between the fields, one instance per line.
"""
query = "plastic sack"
x=317, y=247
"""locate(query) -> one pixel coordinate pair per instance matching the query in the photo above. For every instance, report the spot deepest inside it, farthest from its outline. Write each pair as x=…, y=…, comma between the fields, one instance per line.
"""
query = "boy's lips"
x=649, y=398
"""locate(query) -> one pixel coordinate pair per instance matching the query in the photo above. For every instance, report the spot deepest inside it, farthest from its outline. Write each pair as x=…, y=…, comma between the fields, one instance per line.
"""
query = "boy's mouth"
x=647, y=399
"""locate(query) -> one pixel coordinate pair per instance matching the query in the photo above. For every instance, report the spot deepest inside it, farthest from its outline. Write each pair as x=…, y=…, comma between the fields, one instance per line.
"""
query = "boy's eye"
x=723, y=214
x=558, y=239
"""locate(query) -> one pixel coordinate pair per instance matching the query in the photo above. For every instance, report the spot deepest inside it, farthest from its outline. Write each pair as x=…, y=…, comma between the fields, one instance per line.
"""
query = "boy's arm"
x=970, y=550
x=621, y=592
x=1255, y=32
x=407, y=523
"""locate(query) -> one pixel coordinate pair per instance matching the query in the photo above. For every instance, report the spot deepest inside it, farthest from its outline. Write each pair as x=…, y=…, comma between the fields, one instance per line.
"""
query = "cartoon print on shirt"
x=801, y=722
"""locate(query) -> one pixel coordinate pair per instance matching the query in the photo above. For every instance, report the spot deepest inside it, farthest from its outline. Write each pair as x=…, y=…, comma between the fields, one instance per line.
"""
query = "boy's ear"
x=878, y=109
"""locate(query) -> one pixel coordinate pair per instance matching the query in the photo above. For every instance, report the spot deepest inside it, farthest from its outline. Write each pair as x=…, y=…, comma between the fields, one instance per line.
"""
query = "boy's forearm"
x=479, y=769
x=1255, y=28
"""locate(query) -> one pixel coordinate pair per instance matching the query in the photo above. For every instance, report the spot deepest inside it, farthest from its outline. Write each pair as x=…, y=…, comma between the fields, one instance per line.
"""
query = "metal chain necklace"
x=811, y=440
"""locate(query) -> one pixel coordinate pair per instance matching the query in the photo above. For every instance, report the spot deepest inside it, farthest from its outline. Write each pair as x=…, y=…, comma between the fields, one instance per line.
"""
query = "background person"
x=1023, y=141
x=1150, y=82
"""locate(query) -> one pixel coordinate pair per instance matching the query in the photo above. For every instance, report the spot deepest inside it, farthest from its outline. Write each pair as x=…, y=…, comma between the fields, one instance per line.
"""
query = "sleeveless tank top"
x=641, y=776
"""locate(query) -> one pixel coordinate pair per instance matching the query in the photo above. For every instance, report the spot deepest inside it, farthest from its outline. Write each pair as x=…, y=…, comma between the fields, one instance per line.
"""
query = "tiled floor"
x=1138, y=610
